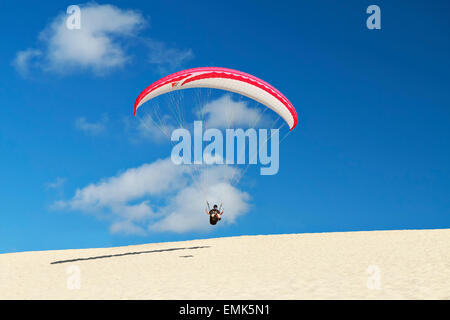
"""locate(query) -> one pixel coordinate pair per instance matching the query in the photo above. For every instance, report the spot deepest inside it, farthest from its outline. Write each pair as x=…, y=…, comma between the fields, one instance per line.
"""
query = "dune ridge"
x=397, y=264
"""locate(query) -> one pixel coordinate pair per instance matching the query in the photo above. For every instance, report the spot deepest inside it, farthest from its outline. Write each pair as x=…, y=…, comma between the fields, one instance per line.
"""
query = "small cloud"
x=166, y=58
x=58, y=183
x=26, y=59
x=91, y=128
x=98, y=45
x=57, y=186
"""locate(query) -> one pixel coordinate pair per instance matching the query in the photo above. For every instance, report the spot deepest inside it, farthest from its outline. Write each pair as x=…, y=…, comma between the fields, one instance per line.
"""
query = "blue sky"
x=371, y=151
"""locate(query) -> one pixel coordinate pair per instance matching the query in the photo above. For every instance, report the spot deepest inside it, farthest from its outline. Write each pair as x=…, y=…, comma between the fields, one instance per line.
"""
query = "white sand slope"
x=411, y=264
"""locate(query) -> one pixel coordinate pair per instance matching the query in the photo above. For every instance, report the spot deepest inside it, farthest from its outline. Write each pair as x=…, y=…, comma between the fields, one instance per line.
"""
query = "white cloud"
x=225, y=112
x=161, y=196
x=57, y=184
x=167, y=59
x=92, y=128
x=98, y=46
x=26, y=59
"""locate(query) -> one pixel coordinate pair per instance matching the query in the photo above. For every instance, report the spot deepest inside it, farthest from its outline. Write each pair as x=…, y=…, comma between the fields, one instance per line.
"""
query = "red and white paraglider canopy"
x=225, y=79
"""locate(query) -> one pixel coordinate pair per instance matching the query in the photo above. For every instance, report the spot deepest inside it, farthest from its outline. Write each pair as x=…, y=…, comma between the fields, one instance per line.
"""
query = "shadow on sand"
x=127, y=254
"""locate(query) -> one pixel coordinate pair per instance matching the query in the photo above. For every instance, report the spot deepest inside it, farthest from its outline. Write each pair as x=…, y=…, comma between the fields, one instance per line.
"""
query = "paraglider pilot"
x=214, y=213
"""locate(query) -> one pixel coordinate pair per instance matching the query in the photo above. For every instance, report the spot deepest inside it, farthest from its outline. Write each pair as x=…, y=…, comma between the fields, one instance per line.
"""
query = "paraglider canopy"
x=225, y=79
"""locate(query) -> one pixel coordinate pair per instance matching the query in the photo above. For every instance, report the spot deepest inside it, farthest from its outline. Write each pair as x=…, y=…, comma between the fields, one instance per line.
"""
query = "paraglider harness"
x=214, y=214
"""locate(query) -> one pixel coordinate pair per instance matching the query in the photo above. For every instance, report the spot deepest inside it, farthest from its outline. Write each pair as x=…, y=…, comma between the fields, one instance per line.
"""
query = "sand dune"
x=410, y=264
